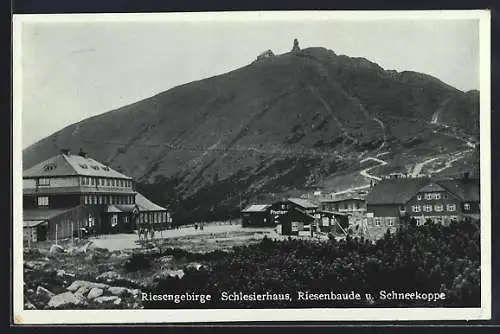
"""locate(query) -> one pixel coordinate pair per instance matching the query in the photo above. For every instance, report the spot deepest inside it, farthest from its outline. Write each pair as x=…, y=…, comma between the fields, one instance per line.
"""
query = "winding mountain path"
x=419, y=166
x=365, y=171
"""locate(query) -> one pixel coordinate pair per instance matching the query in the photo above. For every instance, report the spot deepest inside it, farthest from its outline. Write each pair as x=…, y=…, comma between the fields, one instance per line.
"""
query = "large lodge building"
x=69, y=192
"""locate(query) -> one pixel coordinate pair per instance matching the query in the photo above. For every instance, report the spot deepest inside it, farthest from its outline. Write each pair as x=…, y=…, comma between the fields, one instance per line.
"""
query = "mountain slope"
x=278, y=124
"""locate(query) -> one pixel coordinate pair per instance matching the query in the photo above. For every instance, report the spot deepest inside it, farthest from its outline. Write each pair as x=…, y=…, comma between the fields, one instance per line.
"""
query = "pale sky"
x=71, y=71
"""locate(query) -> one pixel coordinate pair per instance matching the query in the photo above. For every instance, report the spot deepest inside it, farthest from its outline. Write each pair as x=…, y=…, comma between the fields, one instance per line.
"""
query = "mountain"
x=283, y=123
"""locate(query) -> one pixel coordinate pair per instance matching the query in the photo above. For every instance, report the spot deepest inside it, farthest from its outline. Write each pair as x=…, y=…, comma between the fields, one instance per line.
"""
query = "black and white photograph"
x=251, y=166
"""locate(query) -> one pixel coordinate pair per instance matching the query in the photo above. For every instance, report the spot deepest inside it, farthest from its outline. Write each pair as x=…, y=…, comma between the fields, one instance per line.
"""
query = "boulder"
x=44, y=293
x=108, y=299
x=82, y=291
x=194, y=265
x=29, y=306
x=112, y=277
x=108, y=277
x=117, y=290
x=63, y=274
x=179, y=273
x=35, y=265
x=137, y=306
x=95, y=293
x=56, y=249
x=134, y=292
x=64, y=299
x=78, y=284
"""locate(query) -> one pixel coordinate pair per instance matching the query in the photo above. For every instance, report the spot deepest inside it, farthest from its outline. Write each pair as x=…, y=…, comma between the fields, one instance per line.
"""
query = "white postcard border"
x=22, y=316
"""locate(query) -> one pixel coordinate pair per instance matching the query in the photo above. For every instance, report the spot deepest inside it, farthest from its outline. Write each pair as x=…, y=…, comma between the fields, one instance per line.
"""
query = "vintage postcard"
x=251, y=166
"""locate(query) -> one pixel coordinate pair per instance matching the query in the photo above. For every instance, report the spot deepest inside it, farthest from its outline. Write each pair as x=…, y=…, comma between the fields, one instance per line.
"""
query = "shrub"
x=137, y=262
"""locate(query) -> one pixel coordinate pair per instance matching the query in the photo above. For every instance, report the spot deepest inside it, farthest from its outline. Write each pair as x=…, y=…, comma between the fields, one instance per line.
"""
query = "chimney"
x=466, y=176
x=82, y=153
x=65, y=151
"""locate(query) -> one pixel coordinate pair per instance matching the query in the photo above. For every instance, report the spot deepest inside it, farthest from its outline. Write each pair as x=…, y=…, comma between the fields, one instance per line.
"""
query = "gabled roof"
x=431, y=187
x=112, y=209
x=126, y=207
x=256, y=208
x=395, y=191
x=72, y=165
x=145, y=204
x=44, y=214
x=33, y=223
x=302, y=203
x=300, y=211
x=468, y=190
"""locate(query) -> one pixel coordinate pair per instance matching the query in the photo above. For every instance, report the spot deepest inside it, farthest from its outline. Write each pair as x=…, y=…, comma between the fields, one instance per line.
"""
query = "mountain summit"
x=285, y=122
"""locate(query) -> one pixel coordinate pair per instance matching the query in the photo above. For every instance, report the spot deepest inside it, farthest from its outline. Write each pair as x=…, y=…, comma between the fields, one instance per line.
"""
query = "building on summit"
x=296, y=46
x=70, y=192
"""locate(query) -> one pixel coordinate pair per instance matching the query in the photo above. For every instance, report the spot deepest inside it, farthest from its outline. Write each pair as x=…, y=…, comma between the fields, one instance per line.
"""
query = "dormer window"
x=95, y=167
x=106, y=168
x=49, y=167
x=84, y=166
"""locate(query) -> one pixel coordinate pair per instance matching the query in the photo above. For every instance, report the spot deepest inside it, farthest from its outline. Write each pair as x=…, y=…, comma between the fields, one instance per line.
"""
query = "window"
x=93, y=181
x=427, y=208
x=438, y=208
x=43, y=181
x=377, y=221
x=114, y=220
x=49, y=167
x=84, y=166
x=419, y=197
x=467, y=206
x=437, y=196
x=95, y=167
x=415, y=208
x=445, y=196
x=100, y=199
x=43, y=201
x=108, y=182
x=428, y=196
x=86, y=199
x=451, y=207
x=390, y=221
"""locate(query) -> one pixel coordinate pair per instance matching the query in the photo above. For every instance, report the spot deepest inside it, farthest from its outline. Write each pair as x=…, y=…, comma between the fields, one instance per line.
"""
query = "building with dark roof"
x=257, y=215
x=70, y=192
x=280, y=208
x=346, y=202
x=391, y=201
x=295, y=220
x=444, y=200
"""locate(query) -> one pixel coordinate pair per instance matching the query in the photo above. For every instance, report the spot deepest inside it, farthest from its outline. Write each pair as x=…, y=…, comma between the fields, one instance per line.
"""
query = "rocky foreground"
x=87, y=277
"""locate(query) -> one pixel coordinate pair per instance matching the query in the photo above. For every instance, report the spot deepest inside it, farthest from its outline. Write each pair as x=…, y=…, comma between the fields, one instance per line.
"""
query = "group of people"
x=199, y=225
x=143, y=232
